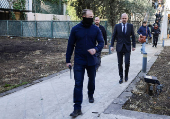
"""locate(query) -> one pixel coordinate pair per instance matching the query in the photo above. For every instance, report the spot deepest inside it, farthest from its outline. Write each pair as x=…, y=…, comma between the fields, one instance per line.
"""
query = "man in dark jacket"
x=98, y=54
x=123, y=32
x=150, y=28
x=156, y=22
x=144, y=31
x=158, y=16
x=156, y=31
x=83, y=38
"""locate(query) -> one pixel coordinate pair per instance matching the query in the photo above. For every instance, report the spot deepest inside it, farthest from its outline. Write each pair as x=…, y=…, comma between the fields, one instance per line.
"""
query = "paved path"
x=53, y=98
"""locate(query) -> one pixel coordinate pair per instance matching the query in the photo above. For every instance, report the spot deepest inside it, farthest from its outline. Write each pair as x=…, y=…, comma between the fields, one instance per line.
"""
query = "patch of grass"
x=9, y=86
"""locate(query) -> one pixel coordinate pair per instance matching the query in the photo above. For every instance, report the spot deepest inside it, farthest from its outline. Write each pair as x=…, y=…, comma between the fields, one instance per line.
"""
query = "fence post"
x=52, y=29
x=35, y=28
x=110, y=52
x=7, y=28
x=21, y=28
x=144, y=66
x=163, y=42
x=68, y=28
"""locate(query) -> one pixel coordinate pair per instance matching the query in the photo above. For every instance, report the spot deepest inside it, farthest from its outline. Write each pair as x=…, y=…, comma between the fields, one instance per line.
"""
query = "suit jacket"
x=123, y=39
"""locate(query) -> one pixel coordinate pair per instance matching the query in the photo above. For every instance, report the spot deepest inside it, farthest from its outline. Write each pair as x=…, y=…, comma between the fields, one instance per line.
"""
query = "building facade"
x=34, y=10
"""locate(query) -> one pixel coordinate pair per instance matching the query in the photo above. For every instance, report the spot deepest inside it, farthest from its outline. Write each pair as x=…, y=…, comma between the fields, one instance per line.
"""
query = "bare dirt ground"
x=156, y=104
x=24, y=60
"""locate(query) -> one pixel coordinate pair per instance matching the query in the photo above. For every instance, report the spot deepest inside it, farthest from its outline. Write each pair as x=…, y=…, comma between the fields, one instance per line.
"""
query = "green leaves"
x=112, y=9
x=19, y=5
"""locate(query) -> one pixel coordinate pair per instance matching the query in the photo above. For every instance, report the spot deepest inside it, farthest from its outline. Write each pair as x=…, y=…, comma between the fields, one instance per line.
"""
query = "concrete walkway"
x=53, y=98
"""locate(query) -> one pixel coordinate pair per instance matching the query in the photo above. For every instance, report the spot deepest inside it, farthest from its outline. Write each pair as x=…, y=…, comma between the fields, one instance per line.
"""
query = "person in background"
x=144, y=31
x=156, y=31
x=150, y=28
x=156, y=22
x=157, y=15
x=98, y=54
x=156, y=5
x=84, y=38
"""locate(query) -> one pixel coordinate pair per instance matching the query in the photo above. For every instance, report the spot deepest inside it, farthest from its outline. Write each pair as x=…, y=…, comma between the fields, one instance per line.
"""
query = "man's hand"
x=105, y=46
x=68, y=64
x=92, y=51
x=112, y=48
x=133, y=49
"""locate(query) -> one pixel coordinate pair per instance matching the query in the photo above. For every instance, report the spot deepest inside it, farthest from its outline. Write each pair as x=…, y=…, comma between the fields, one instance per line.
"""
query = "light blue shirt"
x=125, y=27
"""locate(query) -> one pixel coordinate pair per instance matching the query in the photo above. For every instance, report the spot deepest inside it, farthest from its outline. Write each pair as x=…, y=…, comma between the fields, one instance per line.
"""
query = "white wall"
x=30, y=5
x=39, y=16
x=64, y=9
x=164, y=25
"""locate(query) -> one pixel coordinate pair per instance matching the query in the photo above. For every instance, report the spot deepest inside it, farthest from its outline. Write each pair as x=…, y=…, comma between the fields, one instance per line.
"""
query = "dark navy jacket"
x=83, y=39
x=142, y=30
x=123, y=40
x=156, y=32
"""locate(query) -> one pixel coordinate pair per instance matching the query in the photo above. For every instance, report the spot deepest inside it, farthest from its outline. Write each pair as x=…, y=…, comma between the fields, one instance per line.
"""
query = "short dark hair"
x=84, y=11
x=144, y=22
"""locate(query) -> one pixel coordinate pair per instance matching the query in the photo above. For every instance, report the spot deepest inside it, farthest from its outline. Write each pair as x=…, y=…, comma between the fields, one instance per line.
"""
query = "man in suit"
x=122, y=32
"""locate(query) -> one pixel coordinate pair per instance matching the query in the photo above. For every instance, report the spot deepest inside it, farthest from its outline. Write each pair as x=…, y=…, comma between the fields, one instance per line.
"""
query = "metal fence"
x=50, y=29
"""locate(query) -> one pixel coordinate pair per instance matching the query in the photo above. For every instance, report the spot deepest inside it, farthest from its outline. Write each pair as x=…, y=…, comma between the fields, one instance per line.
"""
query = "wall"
x=39, y=16
x=164, y=25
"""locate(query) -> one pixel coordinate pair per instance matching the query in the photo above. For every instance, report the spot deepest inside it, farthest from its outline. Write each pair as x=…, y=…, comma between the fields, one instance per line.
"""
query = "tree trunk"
x=112, y=29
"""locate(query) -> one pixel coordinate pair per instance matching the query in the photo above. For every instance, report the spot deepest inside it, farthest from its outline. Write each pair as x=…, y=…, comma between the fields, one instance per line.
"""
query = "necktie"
x=124, y=29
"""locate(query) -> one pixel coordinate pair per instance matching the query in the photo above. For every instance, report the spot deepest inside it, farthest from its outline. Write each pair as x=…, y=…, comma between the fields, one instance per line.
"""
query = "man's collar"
x=122, y=24
x=96, y=25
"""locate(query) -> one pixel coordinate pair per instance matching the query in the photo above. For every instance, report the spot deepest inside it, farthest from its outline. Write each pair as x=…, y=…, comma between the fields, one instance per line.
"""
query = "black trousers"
x=155, y=41
x=120, y=63
x=79, y=71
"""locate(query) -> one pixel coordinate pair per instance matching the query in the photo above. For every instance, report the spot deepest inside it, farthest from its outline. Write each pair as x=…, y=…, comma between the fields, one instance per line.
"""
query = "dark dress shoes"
x=121, y=80
x=91, y=99
x=126, y=79
x=75, y=113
